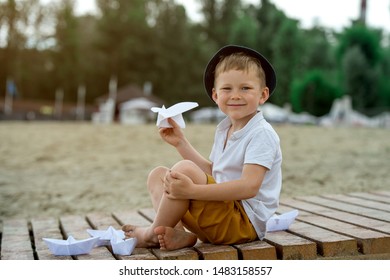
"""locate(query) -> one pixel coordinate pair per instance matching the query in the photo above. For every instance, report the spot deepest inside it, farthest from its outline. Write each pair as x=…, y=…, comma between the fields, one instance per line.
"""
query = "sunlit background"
x=111, y=60
x=78, y=79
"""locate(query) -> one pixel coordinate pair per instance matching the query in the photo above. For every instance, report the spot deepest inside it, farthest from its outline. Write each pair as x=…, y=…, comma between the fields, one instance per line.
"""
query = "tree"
x=124, y=40
x=178, y=60
x=219, y=17
x=287, y=47
x=360, y=79
x=314, y=93
x=244, y=30
x=359, y=53
x=66, y=56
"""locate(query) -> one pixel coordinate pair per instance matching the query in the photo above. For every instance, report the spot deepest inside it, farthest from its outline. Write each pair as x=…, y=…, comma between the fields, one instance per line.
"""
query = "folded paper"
x=115, y=238
x=281, y=222
x=70, y=246
x=174, y=112
x=106, y=235
x=123, y=247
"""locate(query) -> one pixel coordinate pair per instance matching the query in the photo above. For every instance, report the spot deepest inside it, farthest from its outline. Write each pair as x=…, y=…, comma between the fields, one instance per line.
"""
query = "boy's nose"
x=235, y=94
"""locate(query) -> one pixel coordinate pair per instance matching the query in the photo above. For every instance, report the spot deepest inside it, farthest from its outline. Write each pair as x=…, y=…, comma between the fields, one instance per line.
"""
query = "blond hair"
x=242, y=62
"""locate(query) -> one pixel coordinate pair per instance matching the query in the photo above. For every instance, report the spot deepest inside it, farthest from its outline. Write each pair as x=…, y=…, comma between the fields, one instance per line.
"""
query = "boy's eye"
x=245, y=88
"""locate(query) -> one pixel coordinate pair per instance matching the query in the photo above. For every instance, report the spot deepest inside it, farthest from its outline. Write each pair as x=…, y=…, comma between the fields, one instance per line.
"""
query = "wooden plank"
x=216, y=252
x=284, y=250
x=102, y=222
x=382, y=193
x=46, y=228
x=77, y=227
x=131, y=218
x=349, y=208
x=354, y=219
x=329, y=243
x=291, y=247
x=181, y=254
x=148, y=213
x=257, y=250
x=15, y=241
x=369, y=241
x=359, y=201
x=371, y=196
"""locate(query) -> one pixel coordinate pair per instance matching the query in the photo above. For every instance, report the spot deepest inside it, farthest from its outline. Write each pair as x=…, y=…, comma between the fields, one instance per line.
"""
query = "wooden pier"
x=348, y=226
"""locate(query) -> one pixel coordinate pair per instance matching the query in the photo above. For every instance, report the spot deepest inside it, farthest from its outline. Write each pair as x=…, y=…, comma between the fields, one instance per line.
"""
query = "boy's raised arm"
x=175, y=137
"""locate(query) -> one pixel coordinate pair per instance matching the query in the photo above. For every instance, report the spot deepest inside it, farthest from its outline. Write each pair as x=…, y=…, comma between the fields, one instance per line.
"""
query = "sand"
x=53, y=168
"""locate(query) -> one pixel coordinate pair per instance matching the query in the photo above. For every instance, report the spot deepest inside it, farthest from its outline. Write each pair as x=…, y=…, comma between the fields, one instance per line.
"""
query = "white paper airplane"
x=174, y=112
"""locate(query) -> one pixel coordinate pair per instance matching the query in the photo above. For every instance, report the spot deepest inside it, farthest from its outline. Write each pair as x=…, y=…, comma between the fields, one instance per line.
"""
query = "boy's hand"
x=172, y=135
x=177, y=185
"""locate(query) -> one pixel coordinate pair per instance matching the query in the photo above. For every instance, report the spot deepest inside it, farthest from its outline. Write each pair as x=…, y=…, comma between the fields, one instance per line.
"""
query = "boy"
x=228, y=199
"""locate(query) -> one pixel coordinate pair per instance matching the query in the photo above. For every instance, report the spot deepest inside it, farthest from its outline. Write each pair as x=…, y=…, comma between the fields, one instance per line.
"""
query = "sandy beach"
x=53, y=168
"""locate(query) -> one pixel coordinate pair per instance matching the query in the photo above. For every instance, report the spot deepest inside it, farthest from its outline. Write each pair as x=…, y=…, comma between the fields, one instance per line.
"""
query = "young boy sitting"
x=229, y=198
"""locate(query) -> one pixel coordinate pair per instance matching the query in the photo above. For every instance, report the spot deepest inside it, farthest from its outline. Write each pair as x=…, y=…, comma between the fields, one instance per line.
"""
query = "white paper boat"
x=123, y=247
x=174, y=112
x=106, y=235
x=70, y=246
x=281, y=222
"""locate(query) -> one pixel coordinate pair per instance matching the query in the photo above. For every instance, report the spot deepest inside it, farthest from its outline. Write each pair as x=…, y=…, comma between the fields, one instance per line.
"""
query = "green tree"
x=219, y=18
x=269, y=19
x=359, y=53
x=360, y=79
x=384, y=82
x=124, y=40
x=178, y=61
x=67, y=54
x=287, y=46
x=244, y=30
x=23, y=23
x=314, y=93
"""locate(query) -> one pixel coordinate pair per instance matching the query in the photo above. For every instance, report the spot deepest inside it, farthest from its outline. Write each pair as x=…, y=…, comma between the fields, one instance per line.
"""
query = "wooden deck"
x=350, y=226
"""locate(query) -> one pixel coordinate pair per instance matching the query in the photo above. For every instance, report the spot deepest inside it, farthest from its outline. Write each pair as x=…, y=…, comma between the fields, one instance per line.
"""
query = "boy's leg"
x=169, y=213
x=155, y=184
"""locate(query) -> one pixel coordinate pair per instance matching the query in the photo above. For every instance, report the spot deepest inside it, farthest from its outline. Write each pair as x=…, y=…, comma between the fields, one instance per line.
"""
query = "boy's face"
x=239, y=93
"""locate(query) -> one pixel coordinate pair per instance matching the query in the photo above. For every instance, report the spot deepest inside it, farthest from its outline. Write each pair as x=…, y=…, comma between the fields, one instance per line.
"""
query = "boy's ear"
x=264, y=95
x=214, y=95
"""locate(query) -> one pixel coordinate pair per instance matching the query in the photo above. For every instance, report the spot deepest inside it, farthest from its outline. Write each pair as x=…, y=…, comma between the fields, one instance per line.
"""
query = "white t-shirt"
x=256, y=143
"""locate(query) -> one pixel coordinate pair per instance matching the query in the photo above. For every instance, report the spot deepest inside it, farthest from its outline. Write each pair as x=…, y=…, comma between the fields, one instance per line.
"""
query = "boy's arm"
x=175, y=137
x=244, y=188
x=187, y=151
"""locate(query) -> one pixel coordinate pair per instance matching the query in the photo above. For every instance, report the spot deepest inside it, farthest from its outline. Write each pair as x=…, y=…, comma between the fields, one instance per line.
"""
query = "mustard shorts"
x=219, y=222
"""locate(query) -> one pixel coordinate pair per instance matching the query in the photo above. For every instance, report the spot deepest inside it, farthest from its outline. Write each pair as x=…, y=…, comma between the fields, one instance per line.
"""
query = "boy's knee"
x=191, y=170
x=184, y=166
x=156, y=175
x=157, y=171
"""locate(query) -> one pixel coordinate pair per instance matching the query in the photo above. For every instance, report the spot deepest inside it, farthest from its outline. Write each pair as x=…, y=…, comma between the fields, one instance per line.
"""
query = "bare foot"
x=145, y=236
x=172, y=239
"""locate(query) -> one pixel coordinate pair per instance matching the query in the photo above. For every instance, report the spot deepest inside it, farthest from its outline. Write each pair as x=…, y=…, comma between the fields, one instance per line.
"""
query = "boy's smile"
x=238, y=94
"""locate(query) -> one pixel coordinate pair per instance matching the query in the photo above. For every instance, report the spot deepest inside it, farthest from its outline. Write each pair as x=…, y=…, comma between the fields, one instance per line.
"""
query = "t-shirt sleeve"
x=262, y=149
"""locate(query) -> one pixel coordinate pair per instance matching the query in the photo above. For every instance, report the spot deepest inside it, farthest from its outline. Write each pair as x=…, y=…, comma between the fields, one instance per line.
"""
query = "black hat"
x=208, y=78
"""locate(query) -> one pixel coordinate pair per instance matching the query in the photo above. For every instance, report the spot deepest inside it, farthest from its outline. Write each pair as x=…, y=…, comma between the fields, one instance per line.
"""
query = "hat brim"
x=208, y=78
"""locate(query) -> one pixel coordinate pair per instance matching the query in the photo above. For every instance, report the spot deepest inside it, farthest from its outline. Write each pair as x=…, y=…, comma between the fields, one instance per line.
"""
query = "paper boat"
x=281, y=222
x=71, y=246
x=115, y=238
x=123, y=247
x=106, y=235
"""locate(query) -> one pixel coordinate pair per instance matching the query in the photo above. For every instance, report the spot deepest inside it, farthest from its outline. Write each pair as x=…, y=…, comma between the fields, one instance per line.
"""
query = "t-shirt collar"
x=225, y=124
